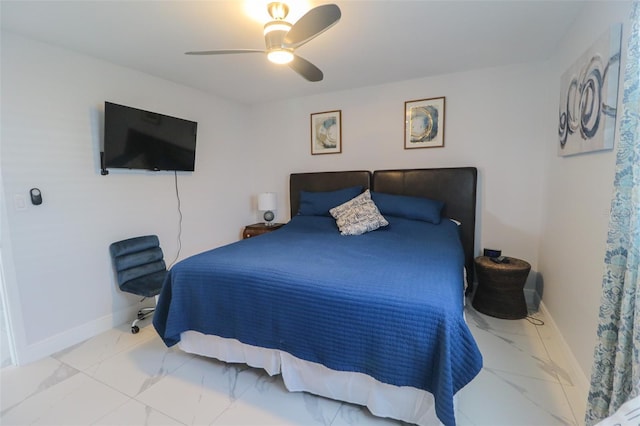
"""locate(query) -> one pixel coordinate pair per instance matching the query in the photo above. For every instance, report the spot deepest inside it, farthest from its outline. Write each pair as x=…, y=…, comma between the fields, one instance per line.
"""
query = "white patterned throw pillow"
x=358, y=215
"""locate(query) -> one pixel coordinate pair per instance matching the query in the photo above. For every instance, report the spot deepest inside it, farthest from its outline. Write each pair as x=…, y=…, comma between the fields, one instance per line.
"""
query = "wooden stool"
x=500, y=287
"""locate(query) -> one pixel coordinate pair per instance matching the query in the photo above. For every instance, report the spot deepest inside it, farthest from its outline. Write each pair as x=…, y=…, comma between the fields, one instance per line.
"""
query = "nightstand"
x=259, y=229
x=500, y=287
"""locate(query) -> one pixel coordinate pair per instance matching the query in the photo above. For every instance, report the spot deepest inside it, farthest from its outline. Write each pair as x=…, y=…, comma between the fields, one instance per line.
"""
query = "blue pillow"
x=319, y=203
x=416, y=208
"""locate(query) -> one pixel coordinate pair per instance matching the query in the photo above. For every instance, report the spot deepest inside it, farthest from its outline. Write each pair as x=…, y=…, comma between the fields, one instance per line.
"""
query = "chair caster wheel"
x=135, y=329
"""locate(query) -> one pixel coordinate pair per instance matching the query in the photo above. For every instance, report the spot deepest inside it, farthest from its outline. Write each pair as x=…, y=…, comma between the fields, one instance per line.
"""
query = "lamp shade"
x=267, y=201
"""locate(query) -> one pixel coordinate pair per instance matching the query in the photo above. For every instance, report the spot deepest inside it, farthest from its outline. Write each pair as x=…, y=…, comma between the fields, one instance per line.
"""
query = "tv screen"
x=138, y=139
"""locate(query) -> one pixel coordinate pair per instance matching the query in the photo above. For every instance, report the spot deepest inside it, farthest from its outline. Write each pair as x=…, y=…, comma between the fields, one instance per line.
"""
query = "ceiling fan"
x=281, y=38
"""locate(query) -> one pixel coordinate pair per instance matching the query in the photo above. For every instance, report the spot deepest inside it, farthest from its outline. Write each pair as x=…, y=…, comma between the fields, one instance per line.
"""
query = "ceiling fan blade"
x=313, y=23
x=224, y=52
x=306, y=69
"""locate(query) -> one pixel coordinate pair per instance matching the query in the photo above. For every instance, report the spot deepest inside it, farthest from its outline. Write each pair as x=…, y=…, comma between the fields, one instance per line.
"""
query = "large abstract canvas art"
x=589, y=97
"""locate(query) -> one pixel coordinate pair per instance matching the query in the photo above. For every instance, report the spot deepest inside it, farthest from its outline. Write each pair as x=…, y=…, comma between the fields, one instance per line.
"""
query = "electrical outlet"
x=20, y=202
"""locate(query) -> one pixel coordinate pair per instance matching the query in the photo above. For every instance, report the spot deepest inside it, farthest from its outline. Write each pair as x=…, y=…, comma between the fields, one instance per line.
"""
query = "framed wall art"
x=589, y=97
x=326, y=132
x=424, y=123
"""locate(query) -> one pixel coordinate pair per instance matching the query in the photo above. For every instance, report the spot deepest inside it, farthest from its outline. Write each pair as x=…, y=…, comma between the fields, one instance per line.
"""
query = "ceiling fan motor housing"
x=274, y=33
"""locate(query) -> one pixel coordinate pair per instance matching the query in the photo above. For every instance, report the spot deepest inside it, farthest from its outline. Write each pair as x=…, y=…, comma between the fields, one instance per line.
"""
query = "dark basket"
x=500, y=288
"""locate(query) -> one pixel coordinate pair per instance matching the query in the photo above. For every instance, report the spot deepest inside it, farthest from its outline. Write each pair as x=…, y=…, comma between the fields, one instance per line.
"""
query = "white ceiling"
x=375, y=42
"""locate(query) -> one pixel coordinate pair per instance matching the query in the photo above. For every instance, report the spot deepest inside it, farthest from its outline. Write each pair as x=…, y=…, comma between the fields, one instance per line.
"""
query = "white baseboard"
x=532, y=298
x=582, y=382
x=64, y=340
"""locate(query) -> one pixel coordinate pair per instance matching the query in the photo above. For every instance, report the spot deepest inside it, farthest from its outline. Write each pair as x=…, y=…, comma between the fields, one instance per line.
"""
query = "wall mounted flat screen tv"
x=138, y=139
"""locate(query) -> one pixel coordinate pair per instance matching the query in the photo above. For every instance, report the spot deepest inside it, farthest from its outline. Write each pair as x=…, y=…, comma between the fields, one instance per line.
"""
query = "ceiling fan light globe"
x=280, y=56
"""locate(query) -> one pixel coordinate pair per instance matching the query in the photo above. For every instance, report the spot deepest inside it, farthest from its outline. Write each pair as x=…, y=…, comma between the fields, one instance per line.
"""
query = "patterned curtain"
x=615, y=376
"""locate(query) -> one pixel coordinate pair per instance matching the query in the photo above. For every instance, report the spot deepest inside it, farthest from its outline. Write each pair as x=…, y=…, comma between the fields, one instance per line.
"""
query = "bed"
x=375, y=319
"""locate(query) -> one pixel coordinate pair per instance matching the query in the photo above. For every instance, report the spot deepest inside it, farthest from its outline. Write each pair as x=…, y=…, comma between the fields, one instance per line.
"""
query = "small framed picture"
x=424, y=123
x=326, y=132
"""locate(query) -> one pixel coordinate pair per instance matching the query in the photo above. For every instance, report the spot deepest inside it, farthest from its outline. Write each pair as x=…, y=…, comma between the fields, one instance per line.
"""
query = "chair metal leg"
x=142, y=314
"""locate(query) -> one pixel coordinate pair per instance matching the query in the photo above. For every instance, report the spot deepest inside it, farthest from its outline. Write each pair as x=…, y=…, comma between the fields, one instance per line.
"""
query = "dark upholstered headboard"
x=456, y=187
x=324, y=181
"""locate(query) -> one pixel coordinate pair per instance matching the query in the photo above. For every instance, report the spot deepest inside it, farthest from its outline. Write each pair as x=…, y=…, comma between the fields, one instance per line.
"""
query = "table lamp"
x=267, y=202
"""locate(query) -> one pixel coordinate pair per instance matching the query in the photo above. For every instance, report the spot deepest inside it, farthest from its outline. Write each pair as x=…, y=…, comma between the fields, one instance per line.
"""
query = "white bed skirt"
x=402, y=403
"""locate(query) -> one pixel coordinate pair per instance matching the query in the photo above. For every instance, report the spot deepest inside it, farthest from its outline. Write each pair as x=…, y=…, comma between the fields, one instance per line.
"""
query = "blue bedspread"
x=388, y=303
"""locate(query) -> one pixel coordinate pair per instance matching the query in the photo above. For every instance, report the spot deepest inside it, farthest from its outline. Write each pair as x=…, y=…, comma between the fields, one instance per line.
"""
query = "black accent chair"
x=140, y=269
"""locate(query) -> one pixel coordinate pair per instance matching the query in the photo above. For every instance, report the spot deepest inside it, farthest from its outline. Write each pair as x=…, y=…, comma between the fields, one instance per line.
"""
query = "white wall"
x=493, y=122
x=58, y=275
x=577, y=201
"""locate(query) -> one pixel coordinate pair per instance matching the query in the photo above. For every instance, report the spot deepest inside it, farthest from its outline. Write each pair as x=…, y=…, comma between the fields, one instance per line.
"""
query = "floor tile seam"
x=548, y=340
x=102, y=360
x=562, y=383
x=79, y=372
x=162, y=377
x=496, y=331
x=214, y=421
x=9, y=409
x=543, y=407
x=533, y=332
x=38, y=391
x=112, y=411
x=104, y=384
x=566, y=368
x=262, y=373
x=129, y=399
x=537, y=340
x=165, y=376
x=533, y=354
x=135, y=398
x=573, y=409
x=335, y=416
x=61, y=354
x=555, y=382
x=19, y=369
x=188, y=357
x=278, y=377
x=340, y=404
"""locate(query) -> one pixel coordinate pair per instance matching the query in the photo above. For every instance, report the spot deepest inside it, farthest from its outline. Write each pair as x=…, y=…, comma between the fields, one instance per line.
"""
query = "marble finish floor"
x=117, y=378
